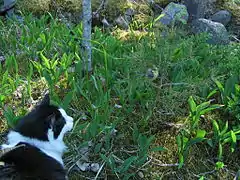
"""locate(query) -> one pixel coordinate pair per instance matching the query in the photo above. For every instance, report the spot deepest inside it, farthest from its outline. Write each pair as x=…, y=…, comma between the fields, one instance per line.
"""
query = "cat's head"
x=45, y=122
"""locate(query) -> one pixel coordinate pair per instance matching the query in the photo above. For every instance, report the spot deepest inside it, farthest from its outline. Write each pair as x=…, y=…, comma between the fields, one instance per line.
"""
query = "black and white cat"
x=40, y=134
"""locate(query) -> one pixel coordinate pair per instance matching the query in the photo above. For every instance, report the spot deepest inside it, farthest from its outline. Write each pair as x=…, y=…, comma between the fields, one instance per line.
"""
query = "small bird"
x=153, y=73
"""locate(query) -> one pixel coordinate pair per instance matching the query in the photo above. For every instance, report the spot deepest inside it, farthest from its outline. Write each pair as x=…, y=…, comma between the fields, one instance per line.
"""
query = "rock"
x=2, y=59
x=217, y=31
x=121, y=22
x=117, y=106
x=129, y=14
x=222, y=16
x=94, y=167
x=140, y=174
x=174, y=13
x=105, y=23
x=200, y=8
x=83, y=166
x=234, y=8
x=8, y=8
x=114, y=131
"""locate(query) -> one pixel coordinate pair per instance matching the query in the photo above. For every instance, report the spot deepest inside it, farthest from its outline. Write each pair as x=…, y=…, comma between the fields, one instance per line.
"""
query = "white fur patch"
x=53, y=148
x=69, y=123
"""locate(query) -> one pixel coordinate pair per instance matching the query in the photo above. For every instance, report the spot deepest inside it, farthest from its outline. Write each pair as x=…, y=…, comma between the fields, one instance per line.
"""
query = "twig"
x=172, y=84
x=99, y=8
x=145, y=164
x=99, y=171
x=163, y=165
x=235, y=38
x=166, y=165
x=205, y=173
x=129, y=152
x=168, y=124
x=232, y=173
x=166, y=113
x=70, y=168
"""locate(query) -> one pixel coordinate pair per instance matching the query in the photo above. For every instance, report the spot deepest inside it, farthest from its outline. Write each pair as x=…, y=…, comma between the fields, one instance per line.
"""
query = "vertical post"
x=87, y=30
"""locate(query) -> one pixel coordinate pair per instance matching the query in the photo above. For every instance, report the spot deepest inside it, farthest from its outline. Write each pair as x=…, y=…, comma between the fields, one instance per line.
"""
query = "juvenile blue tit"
x=152, y=73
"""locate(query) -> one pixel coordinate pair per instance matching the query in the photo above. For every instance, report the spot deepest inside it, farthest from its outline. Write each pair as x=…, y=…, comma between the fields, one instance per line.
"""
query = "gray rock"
x=217, y=31
x=121, y=22
x=129, y=14
x=95, y=167
x=105, y=23
x=200, y=8
x=222, y=16
x=2, y=59
x=9, y=2
x=174, y=13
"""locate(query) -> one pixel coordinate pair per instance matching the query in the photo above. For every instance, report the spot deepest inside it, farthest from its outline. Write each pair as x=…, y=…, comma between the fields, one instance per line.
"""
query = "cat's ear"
x=45, y=100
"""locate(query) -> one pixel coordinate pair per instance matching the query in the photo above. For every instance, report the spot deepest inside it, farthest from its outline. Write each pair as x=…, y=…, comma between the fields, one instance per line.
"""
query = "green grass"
x=118, y=96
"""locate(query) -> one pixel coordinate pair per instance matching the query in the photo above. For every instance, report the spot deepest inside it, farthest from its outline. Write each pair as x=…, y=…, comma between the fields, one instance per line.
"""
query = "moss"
x=34, y=6
x=67, y=5
x=113, y=8
x=143, y=15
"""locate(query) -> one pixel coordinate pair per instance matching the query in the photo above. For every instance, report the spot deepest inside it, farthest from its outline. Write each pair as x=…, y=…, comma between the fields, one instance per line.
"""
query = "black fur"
x=38, y=121
x=31, y=163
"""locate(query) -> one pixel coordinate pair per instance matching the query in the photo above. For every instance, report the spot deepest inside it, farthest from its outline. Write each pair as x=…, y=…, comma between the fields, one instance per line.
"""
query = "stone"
x=2, y=59
x=129, y=14
x=222, y=16
x=200, y=8
x=11, y=11
x=140, y=174
x=217, y=31
x=83, y=166
x=95, y=167
x=7, y=9
x=105, y=23
x=121, y=22
x=174, y=13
